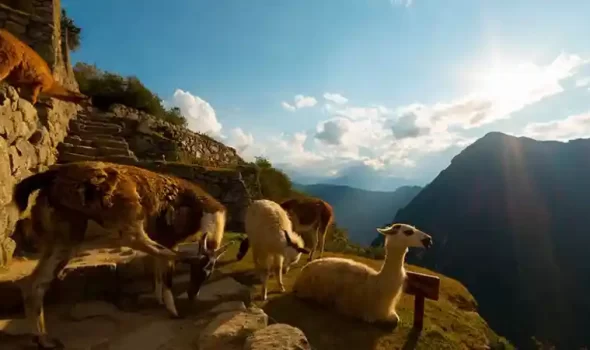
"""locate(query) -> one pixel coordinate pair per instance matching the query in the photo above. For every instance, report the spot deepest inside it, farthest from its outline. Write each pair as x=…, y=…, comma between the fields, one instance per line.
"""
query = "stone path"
x=94, y=136
x=222, y=318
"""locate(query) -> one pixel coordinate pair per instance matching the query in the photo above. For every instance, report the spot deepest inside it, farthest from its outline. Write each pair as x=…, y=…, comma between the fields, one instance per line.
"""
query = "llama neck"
x=393, y=264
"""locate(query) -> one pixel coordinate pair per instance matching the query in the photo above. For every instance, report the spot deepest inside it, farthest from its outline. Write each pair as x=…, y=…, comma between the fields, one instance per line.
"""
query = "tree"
x=69, y=28
x=262, y=163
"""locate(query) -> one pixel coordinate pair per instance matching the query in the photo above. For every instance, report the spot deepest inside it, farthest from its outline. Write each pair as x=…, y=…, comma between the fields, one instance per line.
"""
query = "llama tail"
x=61, y=93
x=244, y=246
x=23, y=189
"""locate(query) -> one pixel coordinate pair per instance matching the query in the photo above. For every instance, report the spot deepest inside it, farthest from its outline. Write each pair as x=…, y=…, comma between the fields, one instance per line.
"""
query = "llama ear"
x=389, y=230
x=382, y=231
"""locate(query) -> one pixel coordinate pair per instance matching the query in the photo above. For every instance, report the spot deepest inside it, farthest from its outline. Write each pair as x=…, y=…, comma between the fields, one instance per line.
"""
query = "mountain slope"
x=508, y=220
x=360, y=211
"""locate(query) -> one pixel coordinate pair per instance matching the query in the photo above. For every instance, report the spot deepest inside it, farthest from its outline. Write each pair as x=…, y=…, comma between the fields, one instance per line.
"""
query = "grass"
x=449, y=323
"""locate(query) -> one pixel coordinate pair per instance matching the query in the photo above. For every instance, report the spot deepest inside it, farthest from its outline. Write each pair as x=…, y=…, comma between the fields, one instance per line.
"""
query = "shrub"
x=107, y=88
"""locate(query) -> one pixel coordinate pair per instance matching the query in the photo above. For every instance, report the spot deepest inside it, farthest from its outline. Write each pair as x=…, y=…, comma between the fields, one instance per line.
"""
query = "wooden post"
x=421, y=286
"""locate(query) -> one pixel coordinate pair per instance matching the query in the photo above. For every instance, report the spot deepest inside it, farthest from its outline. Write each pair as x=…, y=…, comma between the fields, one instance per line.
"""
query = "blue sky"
x=396, y=88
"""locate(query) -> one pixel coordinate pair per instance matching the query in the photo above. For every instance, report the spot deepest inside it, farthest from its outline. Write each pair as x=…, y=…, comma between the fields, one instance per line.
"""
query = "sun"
x=505, y=80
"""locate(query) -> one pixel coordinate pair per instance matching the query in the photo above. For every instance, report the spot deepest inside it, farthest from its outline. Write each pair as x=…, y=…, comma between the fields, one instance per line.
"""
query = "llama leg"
x=389, y=321
x=322, y=241
x=158, y=281
x=167, y=288
x=279, y=272
x=35, y=90
x=54, y=259
x=314, y=244
x=265, y=276
x=134, y=236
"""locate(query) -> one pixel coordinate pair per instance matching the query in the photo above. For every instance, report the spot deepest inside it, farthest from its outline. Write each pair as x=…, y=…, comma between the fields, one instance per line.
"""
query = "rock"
x=224, y=290
x=228, y=330
x=89, y=309
x=278, y=336
x=7, y=247
x=228, y=306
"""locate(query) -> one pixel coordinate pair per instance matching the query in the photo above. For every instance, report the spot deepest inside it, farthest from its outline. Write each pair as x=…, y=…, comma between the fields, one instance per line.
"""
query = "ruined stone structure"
x=155, y=139
x=28, y=135
x=38, y=23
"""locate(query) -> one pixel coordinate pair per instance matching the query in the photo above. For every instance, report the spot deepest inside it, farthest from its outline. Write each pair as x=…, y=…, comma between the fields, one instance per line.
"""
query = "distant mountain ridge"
x=361, y=177
x=509, y=220
x=360, y=211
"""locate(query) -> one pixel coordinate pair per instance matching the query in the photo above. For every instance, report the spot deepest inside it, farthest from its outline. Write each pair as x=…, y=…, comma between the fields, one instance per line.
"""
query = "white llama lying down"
x=357, y=290
x=274, y=244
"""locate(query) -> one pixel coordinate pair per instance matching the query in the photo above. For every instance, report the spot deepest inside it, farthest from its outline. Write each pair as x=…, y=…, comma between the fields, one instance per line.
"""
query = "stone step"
x=68, y=157
x=75, y=140
x=85, y=123
x=101, y=119
x=111, y=129
x=93, y=151
x=85, y=135
x=77, y=149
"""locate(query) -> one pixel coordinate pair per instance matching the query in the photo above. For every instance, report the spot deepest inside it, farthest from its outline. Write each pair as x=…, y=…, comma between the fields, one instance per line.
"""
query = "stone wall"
x=28, y=140
x=38, y=23
x=155, y=139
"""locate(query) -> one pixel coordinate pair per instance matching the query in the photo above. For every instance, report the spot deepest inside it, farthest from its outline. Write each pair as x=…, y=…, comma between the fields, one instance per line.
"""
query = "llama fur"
x=141, y=209
x=311, y=217
x=357, y=290
x=22, y=67
x=275, y=247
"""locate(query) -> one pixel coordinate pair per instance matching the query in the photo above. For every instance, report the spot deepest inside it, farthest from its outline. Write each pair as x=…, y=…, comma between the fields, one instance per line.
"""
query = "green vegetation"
x=107, y=88
x=69, y=28
x=450, y=322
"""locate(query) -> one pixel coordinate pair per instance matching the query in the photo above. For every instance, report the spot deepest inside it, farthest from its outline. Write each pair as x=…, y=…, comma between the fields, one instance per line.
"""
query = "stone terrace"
x=93, y=136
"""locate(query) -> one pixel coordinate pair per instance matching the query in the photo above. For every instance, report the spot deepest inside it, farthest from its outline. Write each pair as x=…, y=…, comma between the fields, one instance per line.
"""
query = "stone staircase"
x=94, y=136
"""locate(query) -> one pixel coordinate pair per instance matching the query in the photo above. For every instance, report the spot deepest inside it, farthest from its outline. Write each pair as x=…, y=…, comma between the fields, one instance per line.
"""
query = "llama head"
x=214, y=224
x=403, y=235
x=202, y=263
x=294, y=249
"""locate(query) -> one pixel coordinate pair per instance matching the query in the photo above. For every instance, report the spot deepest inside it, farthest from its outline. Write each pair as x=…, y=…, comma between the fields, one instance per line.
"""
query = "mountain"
x=360, y=211
x=508, y=218
x=357, y=176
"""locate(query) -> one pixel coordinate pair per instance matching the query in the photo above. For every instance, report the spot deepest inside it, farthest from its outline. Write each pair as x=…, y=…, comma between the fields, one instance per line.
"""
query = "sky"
x=324, y=87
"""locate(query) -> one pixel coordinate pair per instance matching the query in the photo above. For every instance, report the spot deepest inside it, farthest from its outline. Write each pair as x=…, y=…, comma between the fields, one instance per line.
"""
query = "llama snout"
x=427, y=242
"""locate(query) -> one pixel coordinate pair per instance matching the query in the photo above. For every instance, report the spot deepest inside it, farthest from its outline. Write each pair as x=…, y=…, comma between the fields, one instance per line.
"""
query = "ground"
x=450, y=323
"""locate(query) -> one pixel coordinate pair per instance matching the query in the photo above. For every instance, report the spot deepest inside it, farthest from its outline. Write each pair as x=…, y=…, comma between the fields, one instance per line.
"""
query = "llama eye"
x=408, y=232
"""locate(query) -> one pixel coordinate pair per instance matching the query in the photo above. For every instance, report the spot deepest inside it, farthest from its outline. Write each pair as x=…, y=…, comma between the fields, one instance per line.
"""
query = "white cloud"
x=335, y=98
x=396, y=139
x=240, y=140
x=332, y=131
x=199, y=114
x=572, y=127
x=305, y=101
x=288, y=107
x=299, y=101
